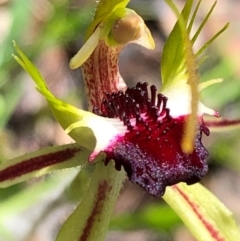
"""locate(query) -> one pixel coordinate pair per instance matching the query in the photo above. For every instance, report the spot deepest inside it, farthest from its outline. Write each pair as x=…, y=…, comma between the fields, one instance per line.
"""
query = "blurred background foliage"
x=50, y=32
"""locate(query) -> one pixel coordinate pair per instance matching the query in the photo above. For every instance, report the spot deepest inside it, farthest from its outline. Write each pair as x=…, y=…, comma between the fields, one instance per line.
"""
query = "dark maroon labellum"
x=150, y=150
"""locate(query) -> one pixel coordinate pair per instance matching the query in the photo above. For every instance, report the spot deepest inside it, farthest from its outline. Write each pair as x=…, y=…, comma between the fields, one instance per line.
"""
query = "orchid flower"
x=156, y=139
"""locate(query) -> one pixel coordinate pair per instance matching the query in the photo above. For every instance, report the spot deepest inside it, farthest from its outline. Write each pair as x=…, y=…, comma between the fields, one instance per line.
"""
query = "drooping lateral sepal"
x=90, y=220
x=198, y=207
x=65, y=113
x=42, y=162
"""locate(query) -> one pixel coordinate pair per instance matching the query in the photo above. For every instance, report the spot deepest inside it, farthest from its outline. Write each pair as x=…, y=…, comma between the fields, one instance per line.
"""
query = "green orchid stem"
x=90, y=220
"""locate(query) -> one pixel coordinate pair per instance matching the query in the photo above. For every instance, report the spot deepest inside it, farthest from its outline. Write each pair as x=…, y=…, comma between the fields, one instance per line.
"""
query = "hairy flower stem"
x=91, y=219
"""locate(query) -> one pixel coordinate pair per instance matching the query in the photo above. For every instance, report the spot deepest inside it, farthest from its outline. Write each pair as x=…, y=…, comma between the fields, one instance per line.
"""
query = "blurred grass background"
x=50, y=32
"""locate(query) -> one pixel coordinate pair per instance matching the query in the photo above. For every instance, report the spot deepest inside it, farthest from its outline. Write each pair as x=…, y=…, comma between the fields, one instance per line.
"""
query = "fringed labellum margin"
x=149, y=147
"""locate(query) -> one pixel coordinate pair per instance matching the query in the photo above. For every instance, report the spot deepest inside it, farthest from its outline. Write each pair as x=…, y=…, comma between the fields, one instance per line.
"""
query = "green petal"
x=65, y=114
x=89, y=222
x=204, y=215
x=41, y=162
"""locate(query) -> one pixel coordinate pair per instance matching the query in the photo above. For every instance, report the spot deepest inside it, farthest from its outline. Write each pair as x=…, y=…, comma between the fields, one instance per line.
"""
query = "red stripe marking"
x=37, y=163
x=211, y=229
x=94, y=217
x=222, y=123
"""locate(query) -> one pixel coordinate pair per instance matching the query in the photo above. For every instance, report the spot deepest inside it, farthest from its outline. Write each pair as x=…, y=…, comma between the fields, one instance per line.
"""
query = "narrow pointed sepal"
x=203, y=214
x=41, y=162
x=65, y=114
x=89, y=222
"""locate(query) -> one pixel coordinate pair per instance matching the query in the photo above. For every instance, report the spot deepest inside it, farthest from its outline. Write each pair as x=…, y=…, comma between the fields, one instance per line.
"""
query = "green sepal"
x=90, y=220
x=203, y=214
x=65, y=114
x=42, y=162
